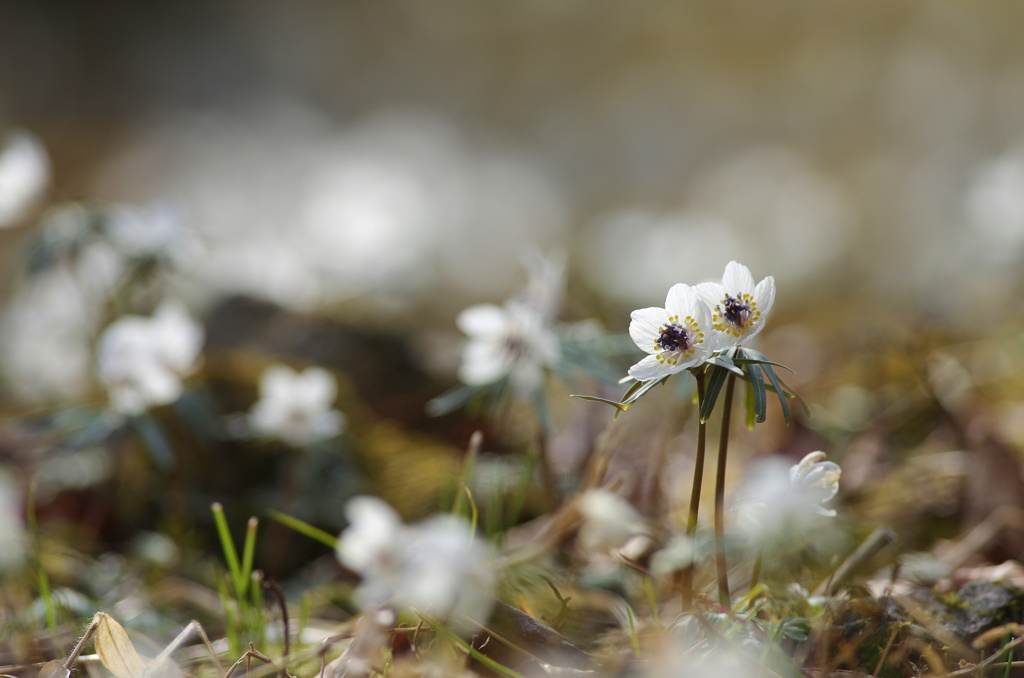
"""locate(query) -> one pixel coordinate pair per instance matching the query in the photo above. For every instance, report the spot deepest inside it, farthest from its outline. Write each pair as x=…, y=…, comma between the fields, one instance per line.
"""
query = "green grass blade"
x=305, y=529
x=249, y=548
x=228, y=546
x=454, y=639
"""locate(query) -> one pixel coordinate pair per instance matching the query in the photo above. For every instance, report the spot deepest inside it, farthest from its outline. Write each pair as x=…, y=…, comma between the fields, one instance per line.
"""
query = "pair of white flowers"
x=143, y=360
x=699, y=321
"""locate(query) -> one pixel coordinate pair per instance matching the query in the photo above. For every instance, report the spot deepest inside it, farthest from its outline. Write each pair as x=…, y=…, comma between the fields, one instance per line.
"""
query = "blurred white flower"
x=24, y=175
x=739, y=307
x=816, y=480
x=142, y=360
x=609, y=522
x=779, y=502
x=12, y=527
x=436, y=566
x=296, y=406
x=513, y=340
x=45, y=334
x=154, y=230
x=545, y=283
x=678, y=553
x=995, y=206
x=667, y=243
x=678, y=336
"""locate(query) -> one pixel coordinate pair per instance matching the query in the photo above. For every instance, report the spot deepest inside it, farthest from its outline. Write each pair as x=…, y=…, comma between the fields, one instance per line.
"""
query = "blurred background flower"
x=406, y=155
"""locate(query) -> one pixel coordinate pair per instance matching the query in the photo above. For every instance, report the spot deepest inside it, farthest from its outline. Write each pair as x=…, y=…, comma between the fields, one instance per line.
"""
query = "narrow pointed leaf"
x=756, y=381
x=726, y=362
x=792, y=393
x=752, y=356
x=774, y=379
x=633, y=388
x=715, y=383
x=750, y=406
x=614, y=403
x=449, y=401
x=644, y=388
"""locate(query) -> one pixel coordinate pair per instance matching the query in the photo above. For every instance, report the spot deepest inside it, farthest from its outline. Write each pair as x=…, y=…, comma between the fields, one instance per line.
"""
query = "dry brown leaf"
x=115, y=649
x=53, y=669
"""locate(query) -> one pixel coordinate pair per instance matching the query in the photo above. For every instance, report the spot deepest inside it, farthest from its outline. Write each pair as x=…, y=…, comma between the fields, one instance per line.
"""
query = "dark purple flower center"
x=674, y=338
x=736, y=312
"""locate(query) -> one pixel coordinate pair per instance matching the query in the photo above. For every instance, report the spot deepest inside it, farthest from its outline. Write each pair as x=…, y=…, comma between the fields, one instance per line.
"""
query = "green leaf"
x=640, y=392
x=449, y=401
x=614, y=403
x=749, y=355
x=715, y=383
x=756, y=382
x=793, y=394
x=726, y=362
x=635, y=392
x=749, y=405
x=154, y=440
x=774, y=379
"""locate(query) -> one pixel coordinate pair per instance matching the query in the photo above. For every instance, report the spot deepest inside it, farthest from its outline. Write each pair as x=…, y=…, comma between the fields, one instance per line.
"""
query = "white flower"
x=739, y=307
x=296, y=406
x=513, y=340
x=781, y=502
x=817, y=480
x=142, y=360
x=436, y=566
x=154, y=230
x=609, y=522
x=24, y=175
x=678, y=336
x=545, y=283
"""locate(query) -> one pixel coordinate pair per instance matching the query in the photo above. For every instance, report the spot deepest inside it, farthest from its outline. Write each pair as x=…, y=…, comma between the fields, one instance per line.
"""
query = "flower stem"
x=723, y=449
x=547, y=475
x=755, y=575
x=698, y=477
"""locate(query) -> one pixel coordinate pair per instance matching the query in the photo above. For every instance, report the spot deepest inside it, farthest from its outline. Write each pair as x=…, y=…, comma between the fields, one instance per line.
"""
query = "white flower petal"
x=277, y=383
x=801, y=468
x=652, y=368
x=764, y=295
x=712, y=293
x=701, y=312
x=681, y=300
x=24, y=175
x=483, y=320
x=737, y=279
x=645, y=326
x=317, y=387
x=374, y=532
x=483, y=362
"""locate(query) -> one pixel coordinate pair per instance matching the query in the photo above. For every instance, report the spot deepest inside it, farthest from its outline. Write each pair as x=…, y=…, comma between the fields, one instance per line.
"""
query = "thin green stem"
x=698, y=478
x=547, y=474
x=723, y=450
x=755, y=575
